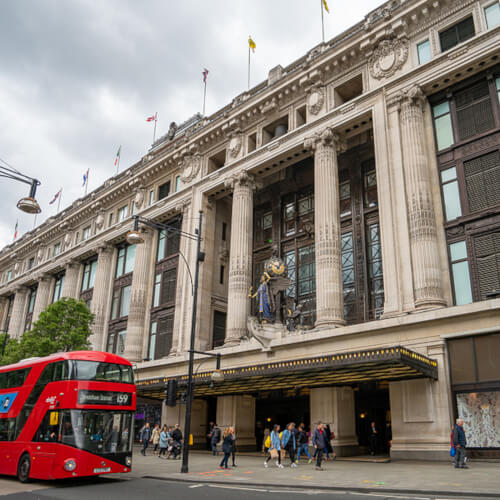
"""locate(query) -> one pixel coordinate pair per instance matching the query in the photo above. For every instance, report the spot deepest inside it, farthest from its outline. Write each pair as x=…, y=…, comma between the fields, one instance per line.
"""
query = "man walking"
x=319, y=442
x=216, y=434
x=144, y=438
x=373, y=439
x=460, y=442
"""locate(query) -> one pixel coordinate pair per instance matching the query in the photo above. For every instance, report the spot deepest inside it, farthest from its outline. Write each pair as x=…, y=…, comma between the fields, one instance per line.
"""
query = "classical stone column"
x=138, y=293
x=42, y=295
x=239, y=412
x=4, y=304
x=240, y=257
x=421, y=216
x=329, y=291
x=101, y=295
x=71, y=280
x=16, y=326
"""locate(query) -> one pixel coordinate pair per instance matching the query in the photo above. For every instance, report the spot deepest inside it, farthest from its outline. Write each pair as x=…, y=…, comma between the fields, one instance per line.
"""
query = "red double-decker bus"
x=67, y=415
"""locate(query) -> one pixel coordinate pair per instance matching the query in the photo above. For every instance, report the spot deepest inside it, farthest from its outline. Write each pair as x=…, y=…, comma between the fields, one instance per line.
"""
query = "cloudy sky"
x=79, y=77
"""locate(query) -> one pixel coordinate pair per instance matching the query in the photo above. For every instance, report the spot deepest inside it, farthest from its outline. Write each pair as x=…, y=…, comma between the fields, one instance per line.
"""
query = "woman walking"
x=227, y=447
x=275, y=448
x=233, y=451
x=164, y=438
x=289, y=443
x=155, y=438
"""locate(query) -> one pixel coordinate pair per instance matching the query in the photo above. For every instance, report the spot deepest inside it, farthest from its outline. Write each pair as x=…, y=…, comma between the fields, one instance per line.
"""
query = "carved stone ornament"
x=39, y=254
x=67, y=240
x=139, y=199
x=234, y=146
x=388, y=57
x=99, y=221
x=190, y=166
x=316, y=99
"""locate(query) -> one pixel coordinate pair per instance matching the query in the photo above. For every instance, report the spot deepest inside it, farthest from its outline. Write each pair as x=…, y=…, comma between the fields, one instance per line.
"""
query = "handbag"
x=453, y=451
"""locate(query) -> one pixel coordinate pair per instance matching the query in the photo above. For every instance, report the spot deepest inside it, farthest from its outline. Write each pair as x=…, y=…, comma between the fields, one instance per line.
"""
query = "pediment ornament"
x=388, y=57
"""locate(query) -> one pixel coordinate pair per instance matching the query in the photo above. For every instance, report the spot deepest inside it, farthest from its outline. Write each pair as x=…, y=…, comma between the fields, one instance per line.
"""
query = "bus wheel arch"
x=24, y=468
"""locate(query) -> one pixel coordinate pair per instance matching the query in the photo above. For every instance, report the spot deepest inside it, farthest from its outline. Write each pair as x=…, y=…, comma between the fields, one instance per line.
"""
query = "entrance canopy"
x=390, y=364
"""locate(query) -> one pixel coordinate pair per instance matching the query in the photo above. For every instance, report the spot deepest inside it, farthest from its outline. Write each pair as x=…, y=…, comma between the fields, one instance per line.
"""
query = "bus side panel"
x=10, y=452
x=42, y=460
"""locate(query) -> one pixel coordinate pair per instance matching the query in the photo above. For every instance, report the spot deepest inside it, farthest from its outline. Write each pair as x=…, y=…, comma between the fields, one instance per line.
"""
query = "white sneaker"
x=281, y=466
x=277, y=464
x=265, y=465
x=294, y=465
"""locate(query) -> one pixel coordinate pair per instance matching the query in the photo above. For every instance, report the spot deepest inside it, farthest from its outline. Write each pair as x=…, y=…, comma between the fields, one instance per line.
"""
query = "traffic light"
x=171, y=392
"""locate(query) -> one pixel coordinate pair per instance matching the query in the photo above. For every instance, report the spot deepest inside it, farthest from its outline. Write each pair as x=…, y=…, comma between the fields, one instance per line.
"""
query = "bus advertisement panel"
x=67, y=415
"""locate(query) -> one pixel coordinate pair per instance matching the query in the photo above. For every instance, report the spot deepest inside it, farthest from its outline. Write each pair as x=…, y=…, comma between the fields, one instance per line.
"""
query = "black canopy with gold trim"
x=389, y=364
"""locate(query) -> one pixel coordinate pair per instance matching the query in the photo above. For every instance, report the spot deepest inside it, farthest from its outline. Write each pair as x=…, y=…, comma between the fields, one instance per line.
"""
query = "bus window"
x=62, y=370
x=7, y=428
x=16, y=378
x=105, y=372
x=49, y=428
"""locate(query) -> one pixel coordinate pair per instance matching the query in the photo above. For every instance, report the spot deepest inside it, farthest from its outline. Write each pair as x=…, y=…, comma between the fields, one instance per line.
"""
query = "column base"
x=325, y=324
x=429, y=304
x=427, y=455
x=231, y=342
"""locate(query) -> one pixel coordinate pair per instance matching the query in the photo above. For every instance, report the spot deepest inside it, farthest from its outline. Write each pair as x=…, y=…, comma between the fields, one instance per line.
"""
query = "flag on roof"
x=54, y=199
x=15, y=230
x=151, y=118
x=205, y=74
x=251, y=44
x=118, y=155
x=325, y=5
x=85, y=177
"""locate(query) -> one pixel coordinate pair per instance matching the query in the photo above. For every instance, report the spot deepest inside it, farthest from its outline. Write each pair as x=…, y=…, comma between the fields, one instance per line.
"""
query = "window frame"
x=454, y=26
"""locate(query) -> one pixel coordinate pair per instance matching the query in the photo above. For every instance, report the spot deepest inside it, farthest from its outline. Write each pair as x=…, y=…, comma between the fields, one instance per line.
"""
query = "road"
x=140, y=488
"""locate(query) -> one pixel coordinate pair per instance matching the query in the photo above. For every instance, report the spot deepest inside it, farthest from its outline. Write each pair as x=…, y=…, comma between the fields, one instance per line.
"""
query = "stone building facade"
x=371, y=165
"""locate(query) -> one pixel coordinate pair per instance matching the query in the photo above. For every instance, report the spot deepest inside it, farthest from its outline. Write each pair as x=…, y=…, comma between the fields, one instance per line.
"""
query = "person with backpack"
x=303, y=444
x=214, y=440
x=266, y=442
x=289, y=443
x=145, y=438
x=275, y=447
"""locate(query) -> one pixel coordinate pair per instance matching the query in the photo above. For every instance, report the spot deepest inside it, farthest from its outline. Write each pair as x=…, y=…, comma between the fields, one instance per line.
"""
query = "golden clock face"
x=275, y=267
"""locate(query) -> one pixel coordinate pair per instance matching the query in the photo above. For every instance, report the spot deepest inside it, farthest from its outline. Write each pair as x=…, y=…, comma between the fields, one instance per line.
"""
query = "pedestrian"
x=289, y=443
x=267, y=433
x=176, y=442
x=211, y=426
x=319, y=442
x=303, y=444
x=329, y=436
x=227, y=447
x=233, y=451
x=155, y=438
x=275, y=447
x=216, y=435
x=373, y=439
x=164, y=439
x=460, y=442
x=145, y=438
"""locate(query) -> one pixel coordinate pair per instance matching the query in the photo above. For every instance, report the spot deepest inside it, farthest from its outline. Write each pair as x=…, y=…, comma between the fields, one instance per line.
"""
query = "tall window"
x=219, y=329
x=164, y=190
x=58, y=287
x=89, y=272
x=457, y=33
x=424, y=52
x=125, y=261
x=31, y=307
x=469, y=172
x=86, y=233
x=56, y=249
x=116, y=342
x=492, y=14
x=164, y=291
x=10, y=306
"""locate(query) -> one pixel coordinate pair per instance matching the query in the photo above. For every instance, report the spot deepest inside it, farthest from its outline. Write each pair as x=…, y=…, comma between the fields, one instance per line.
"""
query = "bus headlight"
x=128, y=461
x=69, y=465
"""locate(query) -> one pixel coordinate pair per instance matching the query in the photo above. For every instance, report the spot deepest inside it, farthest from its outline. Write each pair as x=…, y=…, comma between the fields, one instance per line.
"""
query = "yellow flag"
x=251, y=44
x=326, y=6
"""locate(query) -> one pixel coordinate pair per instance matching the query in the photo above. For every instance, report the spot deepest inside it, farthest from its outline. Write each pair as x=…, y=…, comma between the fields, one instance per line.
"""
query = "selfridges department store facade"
x=370, y=168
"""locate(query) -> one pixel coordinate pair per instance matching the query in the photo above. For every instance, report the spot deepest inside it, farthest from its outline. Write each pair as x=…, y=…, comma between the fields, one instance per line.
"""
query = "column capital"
x=21, y=289
x=326, y=138
x=183, y=206
x=241, y=179
x=104, y=248
x=411, y=96
x=43, y=277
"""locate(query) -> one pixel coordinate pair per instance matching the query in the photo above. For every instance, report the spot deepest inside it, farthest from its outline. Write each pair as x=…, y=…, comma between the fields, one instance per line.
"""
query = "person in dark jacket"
x=460, y=442
x=215, y=439
x=319, y=442
x=145, y=437
x=373, y=439
x=177, y=434
x=227, y=447
x=303, y=444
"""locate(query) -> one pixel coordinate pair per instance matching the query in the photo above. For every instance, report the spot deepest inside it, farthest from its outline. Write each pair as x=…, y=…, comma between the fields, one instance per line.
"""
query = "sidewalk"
x=431, y=478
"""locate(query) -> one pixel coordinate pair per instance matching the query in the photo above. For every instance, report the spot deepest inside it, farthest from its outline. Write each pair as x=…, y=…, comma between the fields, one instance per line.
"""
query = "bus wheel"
x=23, y=468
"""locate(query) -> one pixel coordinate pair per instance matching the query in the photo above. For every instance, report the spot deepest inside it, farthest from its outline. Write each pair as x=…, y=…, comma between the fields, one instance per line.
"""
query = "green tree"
x=63, y=326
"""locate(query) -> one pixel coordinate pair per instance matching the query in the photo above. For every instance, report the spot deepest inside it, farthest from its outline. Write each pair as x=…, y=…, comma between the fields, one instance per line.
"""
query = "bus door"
x=45, y=446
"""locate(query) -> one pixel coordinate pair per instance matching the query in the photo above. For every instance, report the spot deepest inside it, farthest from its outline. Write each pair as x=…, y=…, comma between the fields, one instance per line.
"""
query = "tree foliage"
x=63, y=326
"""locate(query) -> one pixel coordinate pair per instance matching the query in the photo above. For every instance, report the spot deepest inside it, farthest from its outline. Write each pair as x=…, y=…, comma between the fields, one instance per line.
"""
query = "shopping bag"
x=274, y=453
x=453, y=451
x=267, y=442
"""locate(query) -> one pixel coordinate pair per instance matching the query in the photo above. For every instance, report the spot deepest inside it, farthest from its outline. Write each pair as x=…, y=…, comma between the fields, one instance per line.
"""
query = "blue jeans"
x=225, y=460
x=304, y=448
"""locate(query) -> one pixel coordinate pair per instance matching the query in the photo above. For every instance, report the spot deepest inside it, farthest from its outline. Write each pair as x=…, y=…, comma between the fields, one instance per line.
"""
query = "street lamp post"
x=134, y=237
x=29, y=203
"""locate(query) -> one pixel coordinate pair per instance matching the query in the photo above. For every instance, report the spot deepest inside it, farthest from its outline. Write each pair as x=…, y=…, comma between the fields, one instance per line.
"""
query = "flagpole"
x=204, y=96
x=248, y=66
x=34, y=221
x=59, y=200
x=154, y=130
x=322, y=21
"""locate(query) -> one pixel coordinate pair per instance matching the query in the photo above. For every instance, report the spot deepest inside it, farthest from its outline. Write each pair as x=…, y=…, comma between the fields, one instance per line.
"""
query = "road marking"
x=196, y=485
x=230, y=487
x=388, y=495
